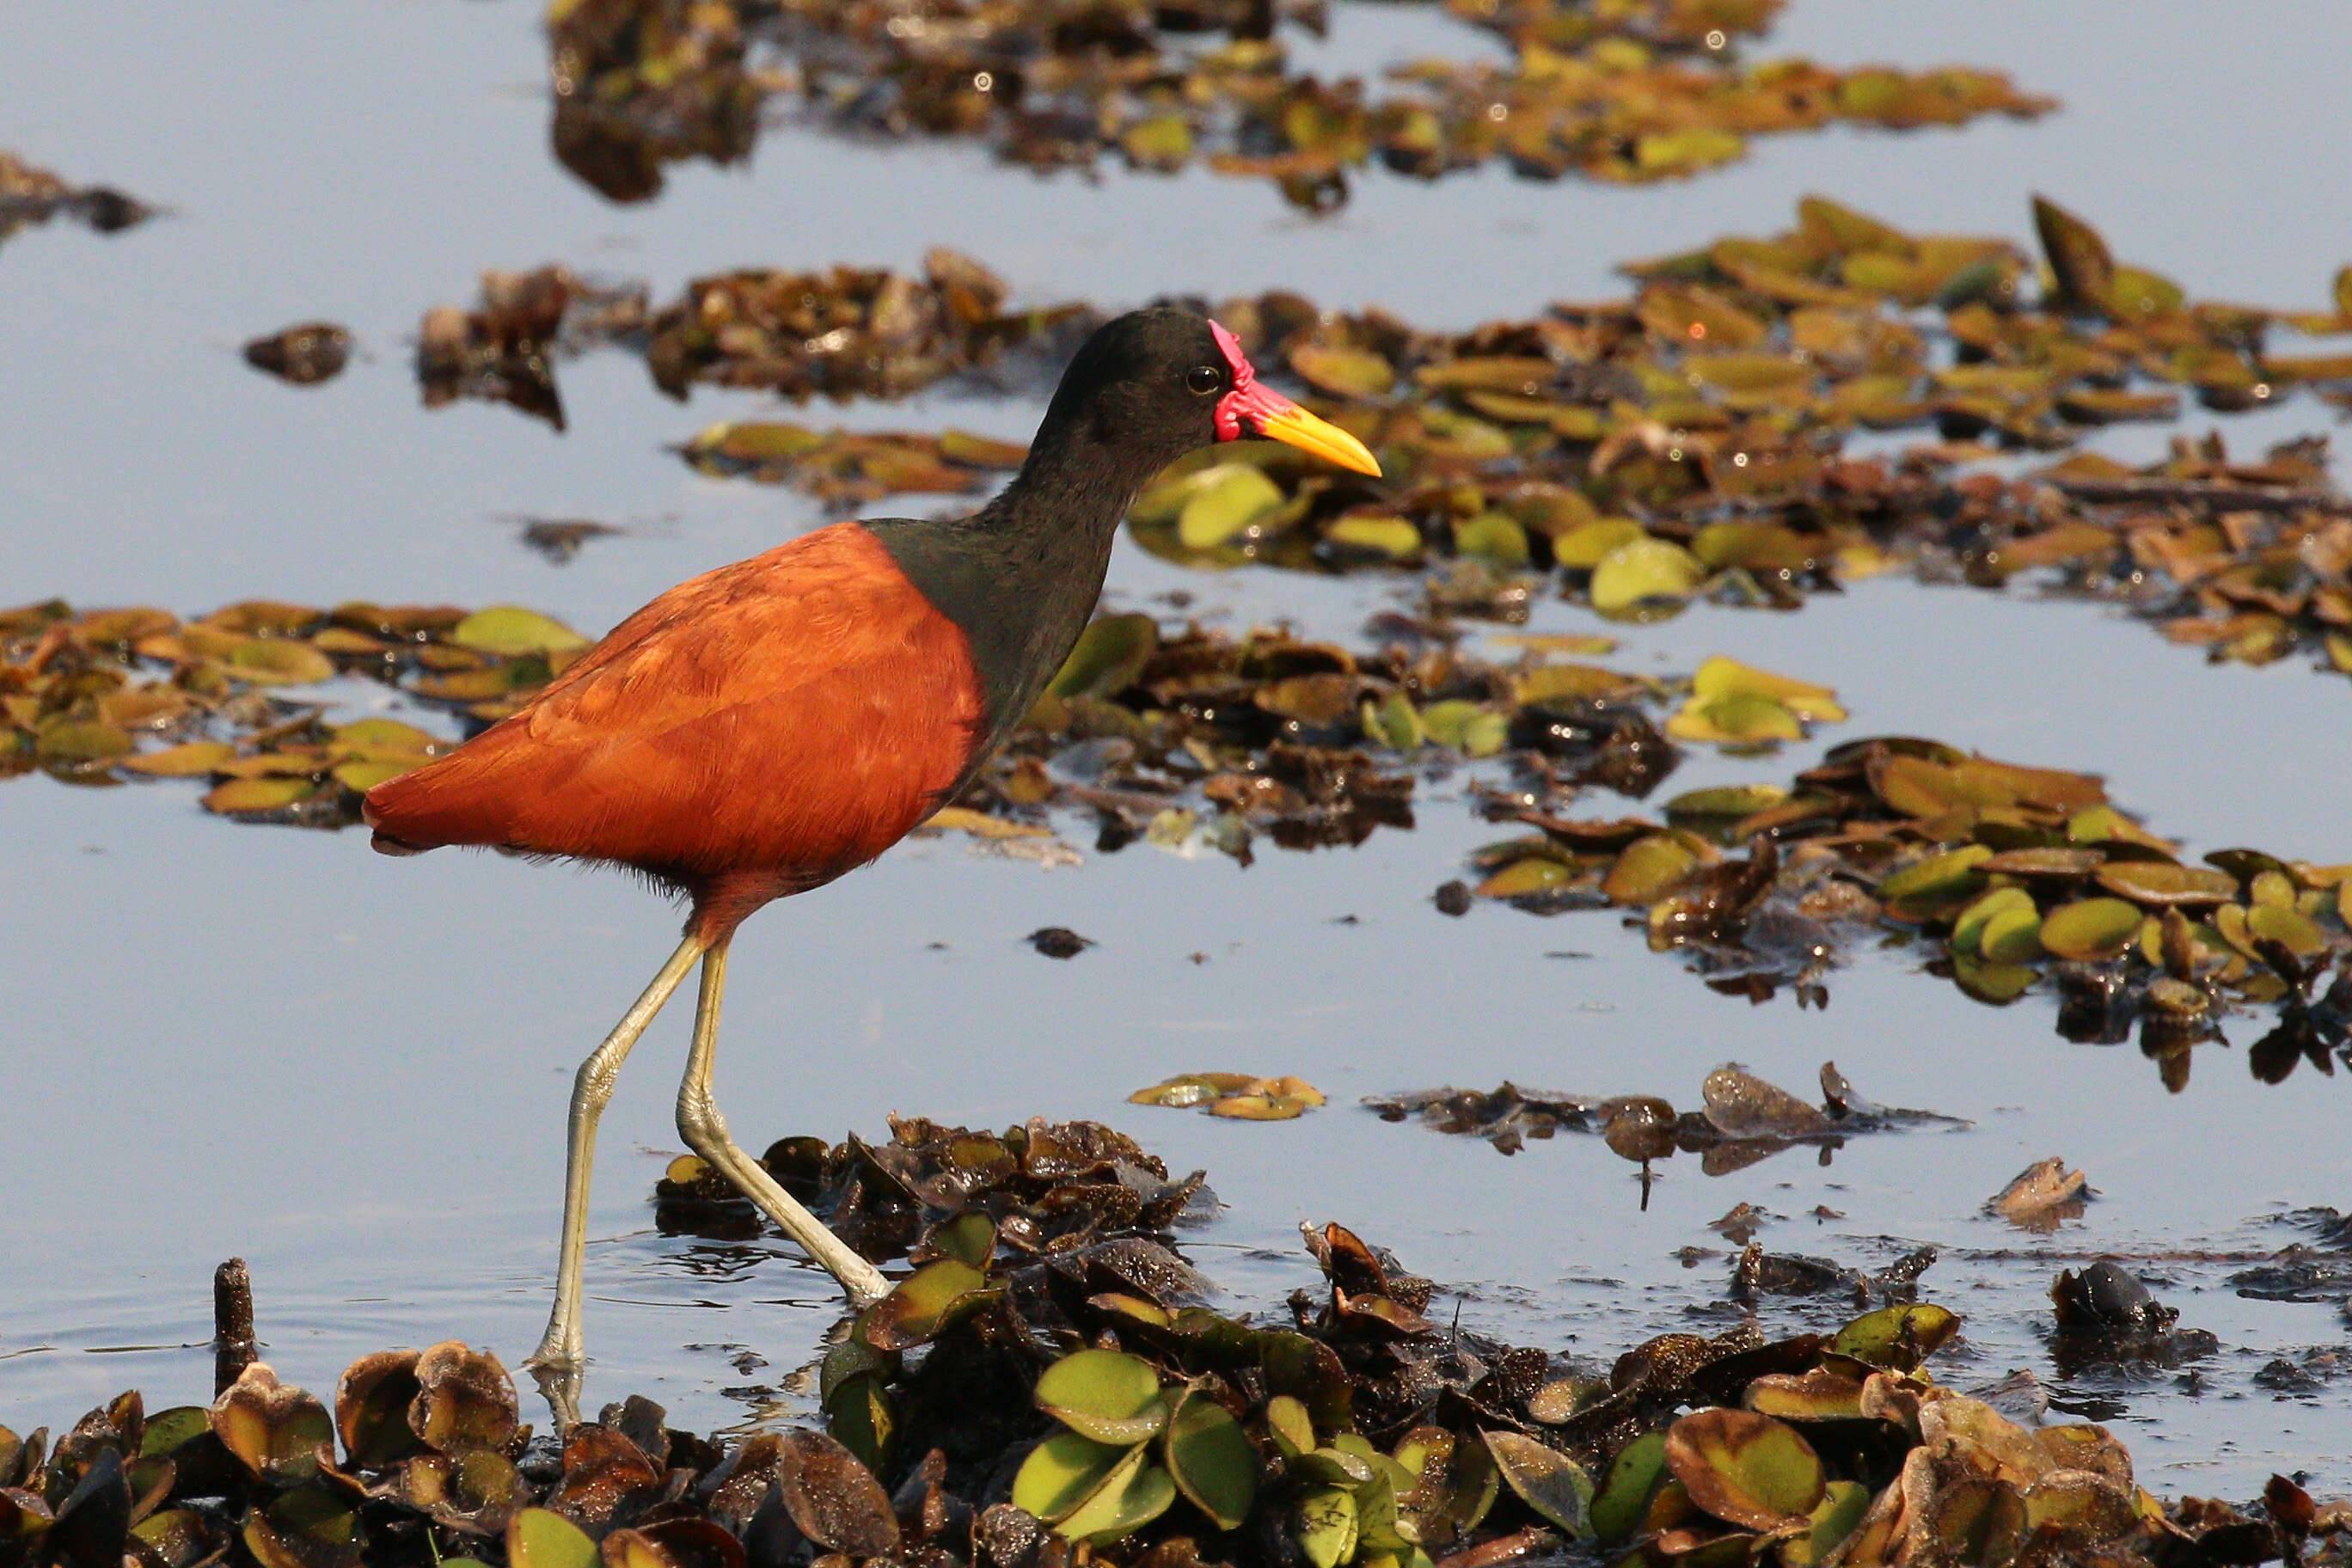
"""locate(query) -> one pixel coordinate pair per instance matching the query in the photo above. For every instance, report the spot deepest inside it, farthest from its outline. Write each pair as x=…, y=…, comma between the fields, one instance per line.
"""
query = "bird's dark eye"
x=1203, y=379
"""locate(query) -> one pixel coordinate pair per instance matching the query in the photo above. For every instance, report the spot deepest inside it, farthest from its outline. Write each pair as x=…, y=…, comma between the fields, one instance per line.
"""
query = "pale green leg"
x=559, y=1356
x=705, y=1131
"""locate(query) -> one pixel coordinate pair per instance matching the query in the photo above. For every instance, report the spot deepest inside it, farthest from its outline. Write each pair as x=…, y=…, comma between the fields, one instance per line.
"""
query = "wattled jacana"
x=761, y=729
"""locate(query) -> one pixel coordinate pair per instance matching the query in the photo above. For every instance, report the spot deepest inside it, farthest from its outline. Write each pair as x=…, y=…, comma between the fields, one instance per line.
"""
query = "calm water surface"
x=227, y=1040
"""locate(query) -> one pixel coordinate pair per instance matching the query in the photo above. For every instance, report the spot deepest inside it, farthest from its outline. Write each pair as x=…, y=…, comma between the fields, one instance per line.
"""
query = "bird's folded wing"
x=798, y=704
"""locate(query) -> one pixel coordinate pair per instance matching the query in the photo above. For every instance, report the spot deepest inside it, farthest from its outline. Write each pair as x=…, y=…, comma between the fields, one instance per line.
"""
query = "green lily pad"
x=2090, y=930
x=1721, y=677
x=1746, y=1468
x=1823, y=1393
x=1325, y=1525
x=1839, y=1515
x=1222, y=502
x=1943, y=878
x=509, y=630
x=279, y=661
x=242, y=796
x=1379, y=534
x=536, y=1538
x=2012, y=935
x=1134, y=1493
x=1622, y=1501
x=1108, y=1395
x=970, y=1238
x=1644, y=577
x=1293, y=1428
x=1343, y=371
x=69, y=741
x=1585, y=546
x=1735, y=718
x=2156, y=884
x=1648, y=869
x=1061, y=1472
x=1726, y=802
x=921, y=1304
x=1546, y=1479
x=2288, y=927
x=1968, y=931
x=1211, y=1459
x=1109, y=655
x=1897, y=1338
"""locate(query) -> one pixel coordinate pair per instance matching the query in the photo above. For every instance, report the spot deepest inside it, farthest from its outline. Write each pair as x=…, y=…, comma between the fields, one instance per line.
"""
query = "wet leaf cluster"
x=30, y=195
x=1687, y=442
x=505, y=349
x=845, y=469
x=1628, y=94
x=2019, y=878
x=305, y=354
x=1045, y=1388
x=1236, y=1096
x=842, y=333
x=101, y=697
x=1740, y=1119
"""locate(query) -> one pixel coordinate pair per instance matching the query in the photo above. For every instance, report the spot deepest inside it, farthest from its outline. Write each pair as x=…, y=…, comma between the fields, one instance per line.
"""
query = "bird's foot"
x=559, y=1384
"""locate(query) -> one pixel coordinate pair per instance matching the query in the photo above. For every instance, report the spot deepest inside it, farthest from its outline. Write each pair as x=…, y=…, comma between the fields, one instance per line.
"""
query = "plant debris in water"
x=30, y=195
x=846, y=332
x=1740, y=1118
x=1240, y=1096
x=2022, y=877
x=1650, y=91
x=1043, y=1389
x=305, y=355
x=1685, y=443
x=847, y=470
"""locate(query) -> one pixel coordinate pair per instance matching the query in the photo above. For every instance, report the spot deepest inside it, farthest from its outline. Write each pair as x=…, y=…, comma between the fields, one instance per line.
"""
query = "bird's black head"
x=1154, y=384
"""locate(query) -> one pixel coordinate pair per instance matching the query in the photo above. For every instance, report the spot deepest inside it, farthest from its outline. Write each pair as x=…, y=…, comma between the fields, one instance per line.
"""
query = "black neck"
x=1020, y=576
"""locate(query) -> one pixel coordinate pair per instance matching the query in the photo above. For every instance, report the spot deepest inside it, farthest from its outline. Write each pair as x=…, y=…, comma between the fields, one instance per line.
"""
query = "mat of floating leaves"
x=1238, y=1096
x=1741, y=1119
x=2021, y=879
x=1683, y=443
x=1625, y=93
x=845, y=469
x=98, y=695
x=844, y=332
x=1004, y=1409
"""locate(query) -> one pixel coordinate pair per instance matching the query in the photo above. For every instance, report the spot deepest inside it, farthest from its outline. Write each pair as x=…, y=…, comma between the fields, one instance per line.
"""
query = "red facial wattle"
x=1244, y=409
x=1249, y=409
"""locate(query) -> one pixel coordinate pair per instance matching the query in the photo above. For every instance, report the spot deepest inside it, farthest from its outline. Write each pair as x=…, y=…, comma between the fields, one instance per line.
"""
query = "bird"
x=762, y=728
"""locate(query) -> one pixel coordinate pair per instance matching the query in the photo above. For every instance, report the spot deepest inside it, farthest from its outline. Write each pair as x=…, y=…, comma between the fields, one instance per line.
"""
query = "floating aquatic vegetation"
x=2022, y=877
x=97, y=696
x=1630, y=93
x=641, y=83
x=505, y=349
x=2042, y=1195
x=852, y=332
x=305, y=354
x=844, y=332
x=1243, y=1097
x=30, y=195
x=1059, y=942
x=1740, y=1119
x=845, y=469
x=1002, y=1409
x=1685, y=443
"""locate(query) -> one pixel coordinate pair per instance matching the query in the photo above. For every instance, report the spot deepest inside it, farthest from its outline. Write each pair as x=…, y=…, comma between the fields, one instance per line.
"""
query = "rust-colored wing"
x=757, y=730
